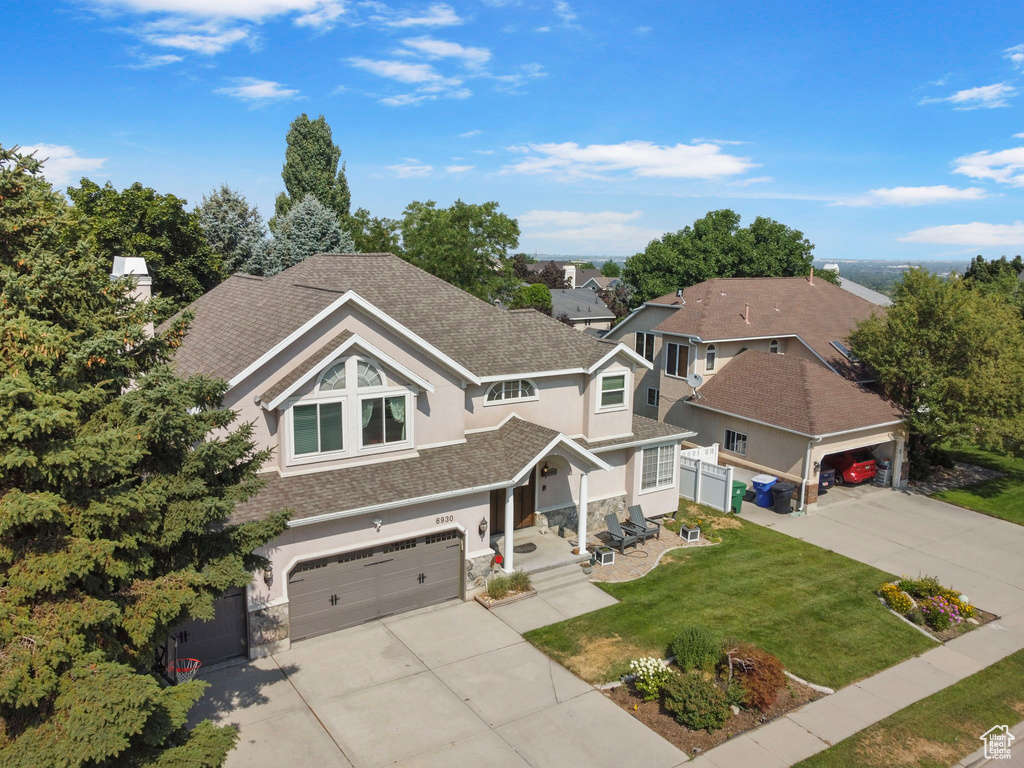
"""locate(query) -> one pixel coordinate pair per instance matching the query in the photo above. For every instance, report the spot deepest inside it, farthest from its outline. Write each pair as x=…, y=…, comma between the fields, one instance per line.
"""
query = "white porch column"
x=510, y=517
x=582, y=528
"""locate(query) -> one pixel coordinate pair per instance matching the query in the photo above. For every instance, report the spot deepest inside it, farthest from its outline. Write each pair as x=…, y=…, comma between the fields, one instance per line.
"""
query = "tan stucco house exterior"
x=415, y=430
x=760, y=366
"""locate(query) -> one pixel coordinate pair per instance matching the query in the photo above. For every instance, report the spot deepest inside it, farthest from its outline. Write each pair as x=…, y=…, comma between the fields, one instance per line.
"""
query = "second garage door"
x=344, y=590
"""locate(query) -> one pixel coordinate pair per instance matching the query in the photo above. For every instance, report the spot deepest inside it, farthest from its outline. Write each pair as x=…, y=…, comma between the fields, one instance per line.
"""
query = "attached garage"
x=343, y=590
x=222, y=638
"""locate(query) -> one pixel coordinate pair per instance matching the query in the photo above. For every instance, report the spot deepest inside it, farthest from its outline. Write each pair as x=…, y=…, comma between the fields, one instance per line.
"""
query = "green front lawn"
x=814, y=609
x=938, y=731
x=1001, y=497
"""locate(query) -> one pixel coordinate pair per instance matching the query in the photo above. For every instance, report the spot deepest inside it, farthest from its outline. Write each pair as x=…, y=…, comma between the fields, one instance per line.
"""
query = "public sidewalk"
x=977, y=759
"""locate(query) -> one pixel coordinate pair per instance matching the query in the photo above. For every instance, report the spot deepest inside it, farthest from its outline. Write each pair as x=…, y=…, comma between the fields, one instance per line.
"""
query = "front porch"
x=533, y=551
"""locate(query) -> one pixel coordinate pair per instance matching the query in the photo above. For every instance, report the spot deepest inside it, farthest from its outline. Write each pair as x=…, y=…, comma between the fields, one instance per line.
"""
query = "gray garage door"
x=219, y=639
x=348, y=589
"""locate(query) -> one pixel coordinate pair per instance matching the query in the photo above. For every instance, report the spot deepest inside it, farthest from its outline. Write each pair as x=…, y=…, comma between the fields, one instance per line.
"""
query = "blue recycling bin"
x=763, y=490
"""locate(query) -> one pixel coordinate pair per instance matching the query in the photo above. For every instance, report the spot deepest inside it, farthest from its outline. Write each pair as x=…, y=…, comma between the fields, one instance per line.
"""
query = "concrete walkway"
x=902, y=534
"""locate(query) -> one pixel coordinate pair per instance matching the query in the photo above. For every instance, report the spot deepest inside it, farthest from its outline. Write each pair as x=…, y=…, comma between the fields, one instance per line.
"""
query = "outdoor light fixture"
x=545, y=470
x=268, y=575
x=483, y=527
x=377, y=523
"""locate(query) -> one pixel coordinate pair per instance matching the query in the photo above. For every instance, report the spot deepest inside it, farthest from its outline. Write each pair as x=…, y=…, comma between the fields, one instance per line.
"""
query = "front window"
x=318, y=428
x=710, y=357
x=613, y=391
x=677, y=359
x=517, y=389
x=735, y=442
x=645, y=346
x=658, y=470
x=383, y=420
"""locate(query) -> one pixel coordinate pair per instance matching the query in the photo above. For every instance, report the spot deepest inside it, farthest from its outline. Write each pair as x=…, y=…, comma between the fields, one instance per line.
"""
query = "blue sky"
x=881, y=130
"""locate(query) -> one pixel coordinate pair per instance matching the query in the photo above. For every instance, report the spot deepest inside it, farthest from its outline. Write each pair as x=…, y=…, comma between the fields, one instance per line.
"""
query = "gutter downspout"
x=807, y=474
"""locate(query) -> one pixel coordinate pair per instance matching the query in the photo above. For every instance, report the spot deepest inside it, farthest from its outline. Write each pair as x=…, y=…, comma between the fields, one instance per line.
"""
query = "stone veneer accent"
x=477, y=571
x=565, y=521
x=268, y=626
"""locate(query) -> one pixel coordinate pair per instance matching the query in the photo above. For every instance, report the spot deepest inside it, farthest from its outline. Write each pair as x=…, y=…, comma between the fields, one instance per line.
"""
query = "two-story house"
x=760, y=366
x=414, y=429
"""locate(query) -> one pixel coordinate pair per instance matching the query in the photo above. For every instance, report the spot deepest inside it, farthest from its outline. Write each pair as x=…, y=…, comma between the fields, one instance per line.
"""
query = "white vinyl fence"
x=707, y=453
x=706, y=483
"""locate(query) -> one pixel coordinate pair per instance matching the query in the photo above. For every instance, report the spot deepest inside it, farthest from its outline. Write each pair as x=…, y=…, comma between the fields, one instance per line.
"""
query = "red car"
x=853, y=466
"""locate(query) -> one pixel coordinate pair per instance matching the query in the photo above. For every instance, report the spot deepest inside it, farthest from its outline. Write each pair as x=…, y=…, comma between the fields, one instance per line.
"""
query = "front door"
x=523, y=502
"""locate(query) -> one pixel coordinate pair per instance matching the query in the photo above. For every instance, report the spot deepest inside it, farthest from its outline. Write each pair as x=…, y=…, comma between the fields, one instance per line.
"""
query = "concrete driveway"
x=448, y=686
x=907, y=534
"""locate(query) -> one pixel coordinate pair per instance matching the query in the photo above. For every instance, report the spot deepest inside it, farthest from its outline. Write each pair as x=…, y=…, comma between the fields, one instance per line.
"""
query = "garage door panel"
x=222, y=638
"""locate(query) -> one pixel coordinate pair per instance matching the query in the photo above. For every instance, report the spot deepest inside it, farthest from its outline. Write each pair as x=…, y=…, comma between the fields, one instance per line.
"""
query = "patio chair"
x=640, y=525
x=620, y=538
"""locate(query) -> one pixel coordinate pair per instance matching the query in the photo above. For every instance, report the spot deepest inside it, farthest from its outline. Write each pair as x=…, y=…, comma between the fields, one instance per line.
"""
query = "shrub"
x=498, y=587
x=649, y=677
x=940, y=613
x=965, y=608
x=696, y=647
x=759, y=673
x=696, y=702
x=896, y=598
x=519, y=581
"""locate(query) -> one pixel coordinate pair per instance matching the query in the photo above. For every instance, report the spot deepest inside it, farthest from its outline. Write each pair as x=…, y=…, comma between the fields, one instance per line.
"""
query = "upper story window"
x=773, y=346
x=318, y=428
x=505, y=391
x=710, y=357
x=383, y=420
x=613, y=391
x=677, y=359
x=645, y=345
x=333, y=378
x=369, y=376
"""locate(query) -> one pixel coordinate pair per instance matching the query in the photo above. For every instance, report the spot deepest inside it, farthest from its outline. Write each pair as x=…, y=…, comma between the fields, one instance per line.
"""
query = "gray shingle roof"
x=305, y=366
x=243, y=317
x=643, y=429
x=579, y=304
x=794, y=393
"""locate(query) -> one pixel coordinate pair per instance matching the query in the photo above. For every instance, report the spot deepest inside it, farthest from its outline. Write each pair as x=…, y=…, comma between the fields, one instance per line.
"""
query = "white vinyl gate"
x=705, y=482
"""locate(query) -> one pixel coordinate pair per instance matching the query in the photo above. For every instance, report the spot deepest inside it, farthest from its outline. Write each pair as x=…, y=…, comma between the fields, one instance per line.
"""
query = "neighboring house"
x=599, y=282
x=760, y=366
x=583, y=307
x=414, y=428
x=574, y=275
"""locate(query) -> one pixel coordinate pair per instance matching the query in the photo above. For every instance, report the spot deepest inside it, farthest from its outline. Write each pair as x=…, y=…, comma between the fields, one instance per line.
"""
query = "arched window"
x=516, y=389
x=369, y=376
x=333, y=378
x=710, y=356
x=773, y=346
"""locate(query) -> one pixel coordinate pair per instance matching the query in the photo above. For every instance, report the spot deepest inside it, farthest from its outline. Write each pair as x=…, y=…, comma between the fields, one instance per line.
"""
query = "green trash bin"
x=739, y=489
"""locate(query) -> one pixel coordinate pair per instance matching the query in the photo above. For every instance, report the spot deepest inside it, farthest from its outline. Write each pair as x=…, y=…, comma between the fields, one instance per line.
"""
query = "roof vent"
x=746, y=314
x=810, y=280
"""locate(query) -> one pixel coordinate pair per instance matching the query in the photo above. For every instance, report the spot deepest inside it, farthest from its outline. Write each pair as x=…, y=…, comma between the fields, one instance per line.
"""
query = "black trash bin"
x=783, y=493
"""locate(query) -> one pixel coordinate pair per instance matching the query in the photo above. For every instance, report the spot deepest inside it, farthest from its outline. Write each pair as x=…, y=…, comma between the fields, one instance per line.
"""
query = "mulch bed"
x=651, y=714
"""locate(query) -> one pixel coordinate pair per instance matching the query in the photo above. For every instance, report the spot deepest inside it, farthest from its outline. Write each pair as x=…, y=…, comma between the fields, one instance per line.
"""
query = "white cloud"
x=411, y=168
x=641, y=158
x=441, y=49
x=522, y=73
x=430, y=84
x=1016, y=55
x=940, y=193
x=982, y=97
x=588, y=230
x=1006, y=166
x=470, y=134
x=643, y=30
x=207, y=38
x=322, y=17
x=542, y=29
x=1018, y=135
x=977, y=234
x=565, y=12
x=722, y=142
x=483, y=151
x=752, y=180
x=148, y=61
x=459, y=168
x=250, y=10
x=62, y=163
x=437, y=15
x=254, y=90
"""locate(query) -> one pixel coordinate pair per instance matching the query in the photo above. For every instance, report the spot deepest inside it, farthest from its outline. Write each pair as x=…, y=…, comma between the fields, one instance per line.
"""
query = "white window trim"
x=640, y=470
x=657, y=397
x=624, y=405
x=725, y=442
x=506, y=401
x=375, y=394
x=685, y=368
x=289, y=425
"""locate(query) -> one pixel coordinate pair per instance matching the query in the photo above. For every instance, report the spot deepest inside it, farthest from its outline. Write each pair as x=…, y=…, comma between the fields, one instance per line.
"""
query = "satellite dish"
x=695, y=380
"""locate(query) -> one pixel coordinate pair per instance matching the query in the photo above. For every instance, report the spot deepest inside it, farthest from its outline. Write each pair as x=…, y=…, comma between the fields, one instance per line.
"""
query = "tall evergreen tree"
x=234, y=230
x=117, y=479
x=311, y=168
x=138, y=221
x=307, y=229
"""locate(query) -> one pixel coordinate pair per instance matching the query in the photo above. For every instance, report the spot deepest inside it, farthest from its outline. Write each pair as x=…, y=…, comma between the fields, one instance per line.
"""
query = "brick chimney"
x=810, y=279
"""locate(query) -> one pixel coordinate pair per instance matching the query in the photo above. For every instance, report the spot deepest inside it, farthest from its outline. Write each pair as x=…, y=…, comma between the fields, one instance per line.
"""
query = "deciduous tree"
x=551, y=275
x=373, y=234
x=117, y=479
x=234, y=230
x=311, y=168
x=536, y=296
x=611, y=269
x=138, y=221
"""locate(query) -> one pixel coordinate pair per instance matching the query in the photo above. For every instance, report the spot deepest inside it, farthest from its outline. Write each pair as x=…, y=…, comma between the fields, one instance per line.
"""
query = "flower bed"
x=943, y=613
x=712, y=692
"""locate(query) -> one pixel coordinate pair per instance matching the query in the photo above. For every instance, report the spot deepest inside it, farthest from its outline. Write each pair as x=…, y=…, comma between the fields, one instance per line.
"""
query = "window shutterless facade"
x=645, y=345
x=677, y=359
x=657, y=468
x=710, y=357
x=773, y=346
x=318, y=428
x=505, y=391
x=383, y=420
x=653, y=397
x=613, y=391
x=735, y=442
